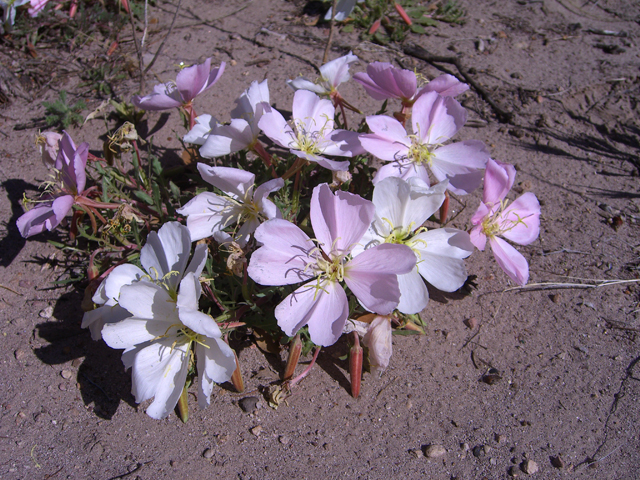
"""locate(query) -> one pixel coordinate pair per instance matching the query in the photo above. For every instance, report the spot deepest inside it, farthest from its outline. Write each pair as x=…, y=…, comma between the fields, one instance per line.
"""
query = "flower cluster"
x=297, y=245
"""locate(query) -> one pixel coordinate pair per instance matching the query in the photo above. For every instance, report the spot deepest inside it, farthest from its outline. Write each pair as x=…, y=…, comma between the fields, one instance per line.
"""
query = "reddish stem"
x=306, y=370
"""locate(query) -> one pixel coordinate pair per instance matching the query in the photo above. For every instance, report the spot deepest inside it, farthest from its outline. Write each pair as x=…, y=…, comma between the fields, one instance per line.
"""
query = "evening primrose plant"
x=312, y=235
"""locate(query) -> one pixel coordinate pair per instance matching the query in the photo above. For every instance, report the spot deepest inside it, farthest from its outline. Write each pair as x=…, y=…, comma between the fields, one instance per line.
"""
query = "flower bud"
x=378, y=341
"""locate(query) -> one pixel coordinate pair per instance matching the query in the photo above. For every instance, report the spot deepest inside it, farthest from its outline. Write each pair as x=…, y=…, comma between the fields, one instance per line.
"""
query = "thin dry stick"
x=175, y=15
x=593, y=284
x=138, y=50
x=146, y=24
x=331, y=30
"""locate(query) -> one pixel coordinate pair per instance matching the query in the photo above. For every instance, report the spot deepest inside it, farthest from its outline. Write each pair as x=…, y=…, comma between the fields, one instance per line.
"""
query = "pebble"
x=498, y=438
x=62, y=387
x=284, y=440
x=208, y=454
x=471, y=323
x=529, y=467
x=19, y=354
x=557, y=462
x=514, y=471
x=464, y=447
x=416, y=452
x=248, y=404
x=434, y=451
x=97, y=450
x=66, y=374
x=46, y=312
x=478, y=451
x=257, y=430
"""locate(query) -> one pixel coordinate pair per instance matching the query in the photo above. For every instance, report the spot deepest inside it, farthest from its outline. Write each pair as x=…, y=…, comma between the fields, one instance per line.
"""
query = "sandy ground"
x=568, y=394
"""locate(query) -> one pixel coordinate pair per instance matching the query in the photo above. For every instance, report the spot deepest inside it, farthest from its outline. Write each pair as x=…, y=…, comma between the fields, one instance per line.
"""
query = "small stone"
x=284, y=440
x=516, y=75
x=471, y=323
x=555, y=298
x=517, y=132
x=514, y=471
x=498, y=438
x=478, y=451
x=97, y=451
x=434, y=451
x=493, y=461
x=19, y=354
x=233, y=63
x=208, y=454
x=557, y=462
x=66, y=374
x=416, y=452
x=248, y=404
x=257, y=430
x=529, y=467
x=46, y=312
x=62, y=387
x=464, y=447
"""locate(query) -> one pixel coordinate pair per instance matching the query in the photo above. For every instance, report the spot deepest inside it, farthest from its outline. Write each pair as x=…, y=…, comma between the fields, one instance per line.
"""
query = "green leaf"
x=415, y=28
x=175, y=191
x=145, y=197
x=348, y=28
x=427, y=22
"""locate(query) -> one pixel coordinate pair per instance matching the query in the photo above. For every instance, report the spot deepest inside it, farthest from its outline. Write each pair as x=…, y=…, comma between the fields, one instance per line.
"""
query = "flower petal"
x=436, y=119
x=336, y=71
x=167, y=251
x=462, y=163
x=205, y=124
x=414, y=295
x=274, y=126
x=372, y=276
x=284, y=256
x=147, y=300
x=445, y=85
x=524, y=215
x=96, y=319
x=206, y=214
x=339, y=220
x=312, y=114
x=216, y=363
x=191, y=80
x=510, y=260
x=231, y=181
x=498, y=180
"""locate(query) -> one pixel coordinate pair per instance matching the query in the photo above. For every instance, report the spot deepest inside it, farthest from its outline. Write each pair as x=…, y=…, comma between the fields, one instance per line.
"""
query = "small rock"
x=514, y=471
x=464, y=447
x=97, y=451
x=248, y=404
x=208, y=454
x=557, y=462
x=498, y=438
x=471, y=323
x=66, y=374
x=46, y=312
x=478, y=451
x=434, y=451
x=62, y=387
x=417, y=452
x=529, y=467
x=493, y=461
x=284, y=440
x=516, y=75
x=517, y=132
x=555, y=298
x=480, y=45
x=19, y=354
x=257, y=430
x=233, y=63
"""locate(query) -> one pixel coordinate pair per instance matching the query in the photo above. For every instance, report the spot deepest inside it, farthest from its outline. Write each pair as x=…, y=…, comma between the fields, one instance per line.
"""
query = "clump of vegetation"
x=61, y=113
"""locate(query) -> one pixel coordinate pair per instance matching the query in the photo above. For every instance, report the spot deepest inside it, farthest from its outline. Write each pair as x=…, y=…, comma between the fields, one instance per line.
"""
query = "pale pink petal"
x=147, y=300
x=376, y=92
x=302, y=83
x=389, y=129
x=164, y=97
x=436, y=119
x=524, y=215
x=462, y=163
x=343, y=143
x=336, y=71
x=227, y=139
x=191, y=80
x=231, y=181
x=284, y=256
x=510, y=260
x=214, y=76
x=36, y=220
x=333, y=165
x=312, y=114
x=119, y=277
x=498, y=180
x=404, y=170
x=339, y=220
x=206, y=214
x=294, y=311
x=393, y=82
x=274, y=126
x=478, y=238
x=266, y=206
x=445, y=85
x=96, y=319
x=372, y=276
x=205, y=124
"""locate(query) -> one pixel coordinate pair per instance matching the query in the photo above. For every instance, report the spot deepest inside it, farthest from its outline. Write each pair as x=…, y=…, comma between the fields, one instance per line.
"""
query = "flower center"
x=499, y=222
x=331, y=269
x=419, y=152
x=309, y=141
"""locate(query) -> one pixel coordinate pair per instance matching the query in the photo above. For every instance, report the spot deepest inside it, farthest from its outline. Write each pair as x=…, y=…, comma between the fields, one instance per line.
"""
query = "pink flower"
x=333, y=74
x=435, y=120
x=518, y=221
x=48, y=144
x=383, y=81
x=70, y=163
x=36, y=7
x=189, y=83
x=313, y=134
x=288, y=256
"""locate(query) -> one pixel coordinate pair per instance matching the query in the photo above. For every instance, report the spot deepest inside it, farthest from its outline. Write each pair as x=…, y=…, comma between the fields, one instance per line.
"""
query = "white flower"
x=164, y=324
x=205, y=124
x=332, y=73
x=208, y=214
x=401, y=209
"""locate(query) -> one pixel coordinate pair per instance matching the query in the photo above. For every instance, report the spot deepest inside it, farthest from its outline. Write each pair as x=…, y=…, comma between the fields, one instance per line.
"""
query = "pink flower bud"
x=48, y=143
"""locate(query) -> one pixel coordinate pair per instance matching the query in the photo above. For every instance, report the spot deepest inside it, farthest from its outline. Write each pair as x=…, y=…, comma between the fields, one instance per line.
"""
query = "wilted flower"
x=435, y=120
x=518, y=221
x=313, y=134
x=378, y=341
x=288, y=256
x=208, y=214
x=70, y=165
x=164, y=324
x=189, y=83
x=48, y=144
